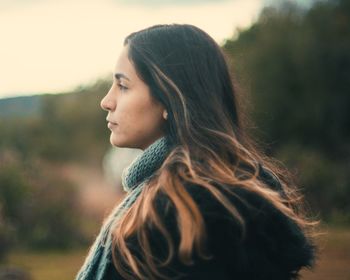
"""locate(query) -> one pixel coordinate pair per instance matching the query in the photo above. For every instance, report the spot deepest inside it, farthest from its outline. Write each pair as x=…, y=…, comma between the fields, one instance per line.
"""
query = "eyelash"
x=122, y=88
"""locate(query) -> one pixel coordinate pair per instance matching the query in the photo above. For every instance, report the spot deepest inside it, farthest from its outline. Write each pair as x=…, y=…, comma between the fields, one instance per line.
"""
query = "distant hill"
x=20, y=107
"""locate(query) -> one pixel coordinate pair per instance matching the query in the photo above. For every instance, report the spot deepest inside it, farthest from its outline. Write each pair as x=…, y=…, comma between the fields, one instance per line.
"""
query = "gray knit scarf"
x=134, y=177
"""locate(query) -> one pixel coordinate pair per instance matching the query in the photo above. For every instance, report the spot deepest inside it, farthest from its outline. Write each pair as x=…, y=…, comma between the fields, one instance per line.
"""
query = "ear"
x=165, y=114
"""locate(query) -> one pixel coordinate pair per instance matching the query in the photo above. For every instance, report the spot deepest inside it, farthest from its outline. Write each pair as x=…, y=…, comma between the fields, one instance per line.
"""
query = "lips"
x=111, y=125
x=111, y=122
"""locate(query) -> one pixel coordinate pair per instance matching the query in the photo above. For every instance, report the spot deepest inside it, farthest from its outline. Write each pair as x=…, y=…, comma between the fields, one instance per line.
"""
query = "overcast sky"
x=53, y=46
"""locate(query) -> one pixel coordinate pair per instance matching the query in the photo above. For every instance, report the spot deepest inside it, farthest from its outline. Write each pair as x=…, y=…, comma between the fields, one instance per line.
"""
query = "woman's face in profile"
x=135, y=118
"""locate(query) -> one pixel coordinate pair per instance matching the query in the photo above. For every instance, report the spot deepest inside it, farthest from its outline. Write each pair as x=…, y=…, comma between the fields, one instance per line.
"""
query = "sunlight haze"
x=54, y=46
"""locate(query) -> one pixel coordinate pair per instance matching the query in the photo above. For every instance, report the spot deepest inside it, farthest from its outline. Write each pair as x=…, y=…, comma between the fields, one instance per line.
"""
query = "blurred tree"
x=298, y=68
x=71, y=127
x=294, y=65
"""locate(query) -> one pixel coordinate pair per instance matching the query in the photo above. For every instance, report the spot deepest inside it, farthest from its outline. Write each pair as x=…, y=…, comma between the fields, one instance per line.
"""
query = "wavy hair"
x=187, y=72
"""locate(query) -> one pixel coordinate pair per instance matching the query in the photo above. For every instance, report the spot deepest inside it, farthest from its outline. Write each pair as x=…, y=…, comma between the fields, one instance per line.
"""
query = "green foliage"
x=51, y=216
x=324, y=182
x=69, y=127
x=6, y=242
x=294, y=65
x=14, y=190
x=38, y=206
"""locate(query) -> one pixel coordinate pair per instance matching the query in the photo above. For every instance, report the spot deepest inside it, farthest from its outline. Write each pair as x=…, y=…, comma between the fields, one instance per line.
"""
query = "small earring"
x=165, y=114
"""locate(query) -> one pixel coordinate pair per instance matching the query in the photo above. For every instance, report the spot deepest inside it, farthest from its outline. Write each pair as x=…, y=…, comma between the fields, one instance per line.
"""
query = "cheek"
x=146, y=119
x=134, y=113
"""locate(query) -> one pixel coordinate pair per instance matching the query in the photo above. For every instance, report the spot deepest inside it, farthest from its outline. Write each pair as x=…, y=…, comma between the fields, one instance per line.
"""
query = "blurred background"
x=59, y=174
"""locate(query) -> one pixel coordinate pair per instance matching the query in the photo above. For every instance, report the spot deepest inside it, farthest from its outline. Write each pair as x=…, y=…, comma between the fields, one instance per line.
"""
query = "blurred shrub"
x=14, y=273
x=324, y=182
x=39, y=208
x=38, y=204
x=51, y=216
x=13, y=191
x=6, y=241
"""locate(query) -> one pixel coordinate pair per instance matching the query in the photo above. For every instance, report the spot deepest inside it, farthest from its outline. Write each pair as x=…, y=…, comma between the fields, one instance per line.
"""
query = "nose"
x=108, y=103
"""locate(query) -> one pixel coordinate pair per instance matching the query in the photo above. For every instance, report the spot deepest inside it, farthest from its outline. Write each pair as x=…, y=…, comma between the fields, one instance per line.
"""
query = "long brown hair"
x=187, y=72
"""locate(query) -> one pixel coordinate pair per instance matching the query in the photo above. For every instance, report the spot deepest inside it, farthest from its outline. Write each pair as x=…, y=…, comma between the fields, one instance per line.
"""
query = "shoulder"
x=272, y=247
x=256, y=211
x=272, y=242
x=239, y=196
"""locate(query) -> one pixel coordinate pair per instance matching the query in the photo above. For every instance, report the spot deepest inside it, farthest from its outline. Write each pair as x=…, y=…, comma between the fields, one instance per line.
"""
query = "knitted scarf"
x=134, y=177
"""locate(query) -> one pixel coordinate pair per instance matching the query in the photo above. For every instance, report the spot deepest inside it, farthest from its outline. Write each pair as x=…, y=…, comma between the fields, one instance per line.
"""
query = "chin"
x=115, y=141
x=120, y=142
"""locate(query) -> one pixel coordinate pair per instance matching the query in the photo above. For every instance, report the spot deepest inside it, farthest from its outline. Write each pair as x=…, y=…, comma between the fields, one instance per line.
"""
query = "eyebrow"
x=118, y=76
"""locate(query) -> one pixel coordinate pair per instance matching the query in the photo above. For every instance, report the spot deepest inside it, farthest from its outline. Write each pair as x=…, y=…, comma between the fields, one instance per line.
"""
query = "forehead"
x=124, y=66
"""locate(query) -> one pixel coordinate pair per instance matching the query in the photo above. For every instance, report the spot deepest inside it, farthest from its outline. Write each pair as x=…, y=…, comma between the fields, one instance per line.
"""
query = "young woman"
x=202, y=202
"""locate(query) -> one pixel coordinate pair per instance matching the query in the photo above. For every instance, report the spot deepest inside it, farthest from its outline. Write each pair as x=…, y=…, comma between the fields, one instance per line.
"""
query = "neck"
x=148, y=143
x=145, y=164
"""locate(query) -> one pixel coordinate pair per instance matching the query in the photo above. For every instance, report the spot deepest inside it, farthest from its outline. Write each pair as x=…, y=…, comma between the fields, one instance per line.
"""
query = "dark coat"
x=273, y=248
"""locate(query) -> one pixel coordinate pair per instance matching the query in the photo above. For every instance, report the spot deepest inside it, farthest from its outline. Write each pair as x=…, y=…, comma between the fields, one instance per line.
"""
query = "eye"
x=122, y=88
